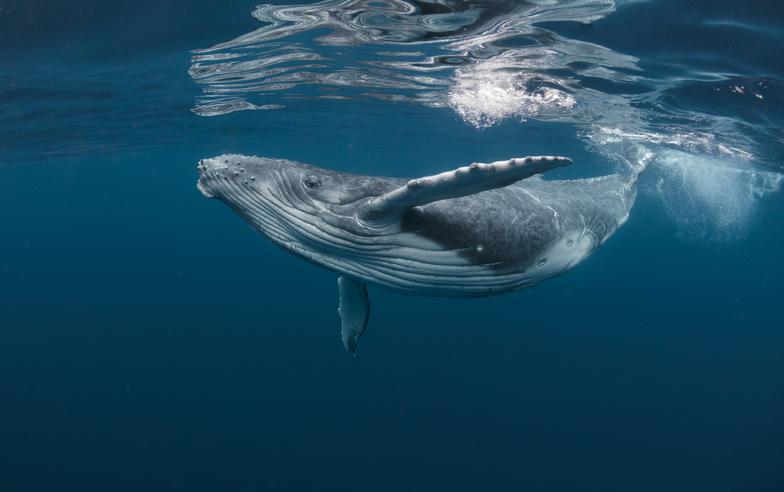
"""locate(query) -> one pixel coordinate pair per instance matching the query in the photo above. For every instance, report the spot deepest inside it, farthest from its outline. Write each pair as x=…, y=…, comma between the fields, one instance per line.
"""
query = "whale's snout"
x=231, y=176
x=212, y=171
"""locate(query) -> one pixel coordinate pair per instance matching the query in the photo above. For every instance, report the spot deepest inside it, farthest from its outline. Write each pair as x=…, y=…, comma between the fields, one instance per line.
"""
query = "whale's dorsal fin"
x=354, y=309
x=462, y=181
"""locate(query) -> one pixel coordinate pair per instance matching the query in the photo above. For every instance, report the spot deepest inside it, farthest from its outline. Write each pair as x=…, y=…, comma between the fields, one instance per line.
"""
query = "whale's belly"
x=433, y=271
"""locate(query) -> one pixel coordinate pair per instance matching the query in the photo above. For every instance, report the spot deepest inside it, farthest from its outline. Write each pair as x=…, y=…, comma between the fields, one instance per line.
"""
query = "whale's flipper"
x=462, y=181
x=354, y=310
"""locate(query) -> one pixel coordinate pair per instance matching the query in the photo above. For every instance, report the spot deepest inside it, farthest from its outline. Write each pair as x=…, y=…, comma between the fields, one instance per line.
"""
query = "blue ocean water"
x=151, y=340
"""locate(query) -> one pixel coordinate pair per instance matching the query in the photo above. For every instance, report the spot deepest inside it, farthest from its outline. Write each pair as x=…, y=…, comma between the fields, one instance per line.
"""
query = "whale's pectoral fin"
x=462, y=181
x=354, y=310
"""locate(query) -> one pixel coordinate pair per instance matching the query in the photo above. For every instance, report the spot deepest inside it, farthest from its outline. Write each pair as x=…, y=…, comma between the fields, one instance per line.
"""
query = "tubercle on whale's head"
x=217, y=174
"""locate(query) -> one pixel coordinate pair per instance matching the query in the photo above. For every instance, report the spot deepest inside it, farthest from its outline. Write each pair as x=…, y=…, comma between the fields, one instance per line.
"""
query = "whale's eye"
x=312, y=182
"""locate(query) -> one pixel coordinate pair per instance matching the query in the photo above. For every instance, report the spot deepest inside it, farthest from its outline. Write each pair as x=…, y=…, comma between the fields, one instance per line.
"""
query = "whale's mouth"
x=201, y=184
x=204, y=188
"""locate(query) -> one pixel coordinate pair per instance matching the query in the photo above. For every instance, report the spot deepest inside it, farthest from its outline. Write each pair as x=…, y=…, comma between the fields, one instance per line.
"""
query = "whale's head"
x=306, y=209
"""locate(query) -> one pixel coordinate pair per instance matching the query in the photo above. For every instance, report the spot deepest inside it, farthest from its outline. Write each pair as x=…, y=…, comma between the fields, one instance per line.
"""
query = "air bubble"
x=569, y=242
x=479, y=248
x=542, y=262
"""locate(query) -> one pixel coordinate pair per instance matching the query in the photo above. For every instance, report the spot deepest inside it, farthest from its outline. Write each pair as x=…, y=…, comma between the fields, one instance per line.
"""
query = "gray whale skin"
x=478, y=230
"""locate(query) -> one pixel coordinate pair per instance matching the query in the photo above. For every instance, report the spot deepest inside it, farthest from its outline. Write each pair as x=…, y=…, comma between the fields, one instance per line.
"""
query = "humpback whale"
x=478, y=230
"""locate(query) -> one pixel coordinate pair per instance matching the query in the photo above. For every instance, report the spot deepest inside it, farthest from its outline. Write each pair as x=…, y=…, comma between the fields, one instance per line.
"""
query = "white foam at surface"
x=485, y=104
x=486, y=95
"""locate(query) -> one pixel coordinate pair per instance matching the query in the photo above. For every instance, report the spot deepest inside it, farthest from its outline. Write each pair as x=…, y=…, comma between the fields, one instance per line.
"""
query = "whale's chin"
x=204, y=189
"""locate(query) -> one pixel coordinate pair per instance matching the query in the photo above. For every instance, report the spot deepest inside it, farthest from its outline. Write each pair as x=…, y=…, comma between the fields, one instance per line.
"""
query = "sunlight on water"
x=303, y=51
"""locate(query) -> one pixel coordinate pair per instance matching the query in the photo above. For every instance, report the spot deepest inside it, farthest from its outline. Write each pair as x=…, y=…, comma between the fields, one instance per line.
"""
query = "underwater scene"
x=392, y=245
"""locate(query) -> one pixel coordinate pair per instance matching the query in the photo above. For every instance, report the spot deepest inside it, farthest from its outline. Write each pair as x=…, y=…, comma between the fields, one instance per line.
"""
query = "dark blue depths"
x=150, y=340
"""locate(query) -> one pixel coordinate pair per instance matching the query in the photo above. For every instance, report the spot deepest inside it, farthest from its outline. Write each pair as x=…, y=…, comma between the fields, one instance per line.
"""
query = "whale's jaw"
x=247, y=185
x=204, y=188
